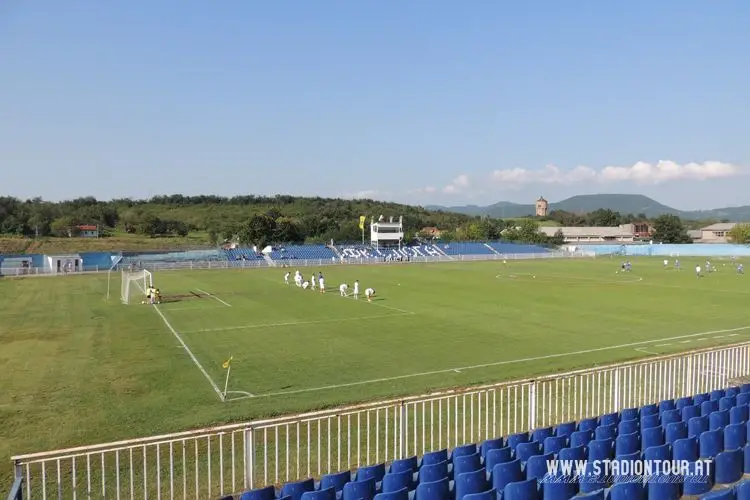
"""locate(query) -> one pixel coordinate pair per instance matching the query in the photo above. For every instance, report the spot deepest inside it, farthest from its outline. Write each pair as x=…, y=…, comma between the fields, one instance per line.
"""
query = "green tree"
x=668, y=228
x=604, y=217
x=740, y=233
x=258, y=231
x=558, y=239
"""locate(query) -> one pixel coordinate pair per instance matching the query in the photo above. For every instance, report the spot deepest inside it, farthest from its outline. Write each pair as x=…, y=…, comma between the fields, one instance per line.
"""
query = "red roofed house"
x=86, y=231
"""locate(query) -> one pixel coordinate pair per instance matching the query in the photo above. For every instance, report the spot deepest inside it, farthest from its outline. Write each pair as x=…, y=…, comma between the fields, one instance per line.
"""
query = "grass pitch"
x=76, y=370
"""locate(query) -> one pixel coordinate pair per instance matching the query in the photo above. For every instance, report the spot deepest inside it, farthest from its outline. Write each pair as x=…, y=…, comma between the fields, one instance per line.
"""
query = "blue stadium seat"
x=697, y=480
x=625, y=444
x=601, y=449
x=675, y=431
x=526, y=450
x=581, y=438
x=609, y=419
x=626, y=467
x=697, y=426
x=515, y=439
x=357, y=490
x=506, y=473
x=720, y=495
x=491, y=444
x=739, y=414
x=592, y=479
x=653, y=436
x=594, y=495
x=735, y=436
x=743, y=488
x=554, y=444
x=718, y=420
x=731, y=391
x=394, y=495
x=670, y=416
x=435, y=457
x=743, y=398
x=717, y=394
x=541, y=434
x=663, y=487
x=629, y=414
x=497, y=456
x=727, y=402
x=397, y=481
x=404, y=464
x=663, y=452
x=689, y=412
x=699, y=399
x=647, y=410
x=434, y=472
x=522, y=490
x=267, y=493
x=566, y=429
x=434, y=490
x=376, y=472
x=606, y=432
x=588, y=424
x=471, y=482
x=327, y=494
x=297, y=488
x=627, y=491
x=466, y=463
x=683, y=402
x=747, y=459
x=486, y=495
x=335, y=481
x=728, y=466
x=708, y=407
x=467, y=449
x=577, y=453
x=536, y=466
x=558, y=488
x=711, y=443
x=685, y=449
x=652, y=420
x=628, y=427
x=666, y=405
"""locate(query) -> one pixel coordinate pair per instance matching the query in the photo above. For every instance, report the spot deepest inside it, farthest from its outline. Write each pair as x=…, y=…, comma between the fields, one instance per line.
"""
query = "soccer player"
x=298, y=279
x=286, y=278
x=740, y=269
x=369, y=293
x=356, y=290
x=305, y=285
x=697, y=271
x=322, y=283
x=666, y=263
x=312, y=282
x=343, y=287
x=157, y=295
x=677, y=264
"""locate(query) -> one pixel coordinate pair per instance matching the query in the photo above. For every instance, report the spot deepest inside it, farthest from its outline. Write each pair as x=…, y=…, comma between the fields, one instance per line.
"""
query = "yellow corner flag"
x=228, y=362
x=362, y=219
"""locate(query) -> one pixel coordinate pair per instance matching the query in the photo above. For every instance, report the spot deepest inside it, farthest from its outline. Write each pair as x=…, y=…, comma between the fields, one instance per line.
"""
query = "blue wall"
x=656, y=250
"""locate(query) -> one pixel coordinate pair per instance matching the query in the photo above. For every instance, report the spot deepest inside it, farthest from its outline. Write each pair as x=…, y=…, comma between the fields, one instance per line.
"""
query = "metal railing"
x=215, y=461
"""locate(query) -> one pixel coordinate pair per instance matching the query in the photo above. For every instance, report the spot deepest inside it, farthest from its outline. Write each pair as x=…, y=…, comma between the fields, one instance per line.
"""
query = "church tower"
x=541, y=207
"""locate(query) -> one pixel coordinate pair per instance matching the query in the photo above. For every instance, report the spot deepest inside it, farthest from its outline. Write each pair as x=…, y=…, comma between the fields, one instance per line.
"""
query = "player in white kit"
x=356, y=290
x=305, y=285
x=343, y=287
x=369, y=293
x=312, y=282
x=322, y=284
x=286, y=278
x=698, y=271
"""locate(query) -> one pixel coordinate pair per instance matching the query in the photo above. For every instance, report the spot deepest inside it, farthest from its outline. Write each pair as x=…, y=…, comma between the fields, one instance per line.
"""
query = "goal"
x=134, y=285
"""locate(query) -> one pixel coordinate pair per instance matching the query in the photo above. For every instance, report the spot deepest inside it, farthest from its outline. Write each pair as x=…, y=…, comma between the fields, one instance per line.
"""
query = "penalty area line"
x=190, y=353
x=213, y=297
x=487, y=365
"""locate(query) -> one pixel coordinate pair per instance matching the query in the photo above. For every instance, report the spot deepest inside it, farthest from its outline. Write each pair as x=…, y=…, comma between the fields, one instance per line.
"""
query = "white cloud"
x=640, y=173
x=457, y=185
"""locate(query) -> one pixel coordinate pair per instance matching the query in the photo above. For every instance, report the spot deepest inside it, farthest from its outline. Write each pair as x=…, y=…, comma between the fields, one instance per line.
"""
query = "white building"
x=388, y=233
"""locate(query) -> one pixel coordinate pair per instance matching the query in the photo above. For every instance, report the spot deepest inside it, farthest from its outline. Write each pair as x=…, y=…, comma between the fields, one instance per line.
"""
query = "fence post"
x=532, y=405
x=249, y=458
x=402, y=431
x=616, y=388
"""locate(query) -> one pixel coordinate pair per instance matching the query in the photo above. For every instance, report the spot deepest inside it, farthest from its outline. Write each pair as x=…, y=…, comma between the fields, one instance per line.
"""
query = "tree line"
x=261, y=220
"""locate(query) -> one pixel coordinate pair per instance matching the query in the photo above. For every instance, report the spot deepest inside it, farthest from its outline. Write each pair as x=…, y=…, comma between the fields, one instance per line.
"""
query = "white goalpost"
x=135, y=283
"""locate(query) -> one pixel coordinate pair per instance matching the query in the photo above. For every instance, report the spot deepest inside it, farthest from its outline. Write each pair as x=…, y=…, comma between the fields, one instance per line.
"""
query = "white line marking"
x=662, y=345
x=244, y=393
x=641, y=349
x=719, y=337
x=190, y=353
x=214, y=297
x=296, y=323
x=732, y=335
x=685, y=341
x=201, y=308
x=496, y=363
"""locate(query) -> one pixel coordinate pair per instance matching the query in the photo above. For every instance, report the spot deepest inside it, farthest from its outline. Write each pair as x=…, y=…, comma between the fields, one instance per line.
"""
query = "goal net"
x=134, y=285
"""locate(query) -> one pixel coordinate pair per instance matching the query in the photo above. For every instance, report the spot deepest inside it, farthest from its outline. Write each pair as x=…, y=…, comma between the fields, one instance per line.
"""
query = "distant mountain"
x=623, y=203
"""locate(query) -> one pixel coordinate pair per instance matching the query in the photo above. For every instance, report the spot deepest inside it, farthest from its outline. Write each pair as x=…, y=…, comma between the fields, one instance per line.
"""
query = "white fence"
x=257, y=264
x=211, y=462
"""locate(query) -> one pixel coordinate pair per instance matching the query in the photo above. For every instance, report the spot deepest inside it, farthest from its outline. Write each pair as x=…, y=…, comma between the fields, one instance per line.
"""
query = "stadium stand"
x=302, y=252
x=239, y=255
x=466, y=248
x=709, y=428
x=516, y=248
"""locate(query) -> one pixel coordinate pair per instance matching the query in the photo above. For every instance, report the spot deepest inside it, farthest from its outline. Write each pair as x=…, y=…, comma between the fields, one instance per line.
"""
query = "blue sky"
x=419, y=101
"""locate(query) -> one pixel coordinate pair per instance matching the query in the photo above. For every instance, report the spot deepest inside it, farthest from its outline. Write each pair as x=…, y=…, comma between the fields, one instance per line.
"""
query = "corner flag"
x=227, y=363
